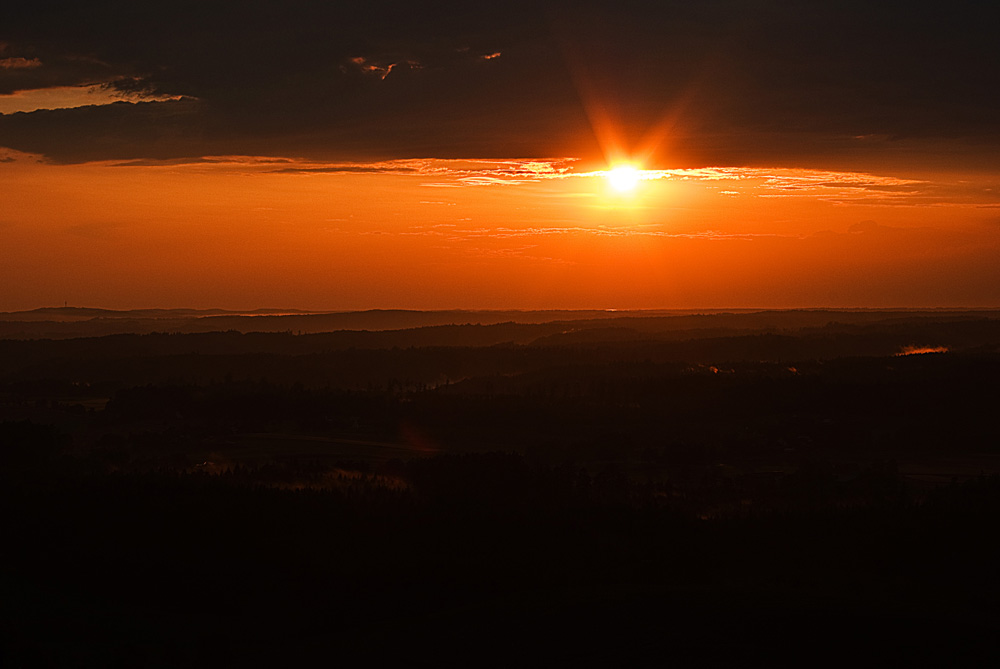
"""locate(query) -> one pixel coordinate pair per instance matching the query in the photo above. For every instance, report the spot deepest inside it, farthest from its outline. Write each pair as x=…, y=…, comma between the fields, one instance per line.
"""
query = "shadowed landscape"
x=601, y=487
x=507, y=334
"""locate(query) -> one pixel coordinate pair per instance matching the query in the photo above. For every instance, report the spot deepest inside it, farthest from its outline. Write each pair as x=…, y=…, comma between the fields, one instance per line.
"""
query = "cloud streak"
x=71, y=97
x=834, y=187
x=19, y=63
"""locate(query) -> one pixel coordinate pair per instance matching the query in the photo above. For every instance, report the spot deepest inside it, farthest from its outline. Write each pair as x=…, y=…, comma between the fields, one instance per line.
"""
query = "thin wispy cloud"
x=18, y=63
x=72, y=97
x=835, y=187
x=452, y=232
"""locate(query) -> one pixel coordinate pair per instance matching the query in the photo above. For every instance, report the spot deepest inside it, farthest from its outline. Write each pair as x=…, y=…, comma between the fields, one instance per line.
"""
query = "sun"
x=624, y=178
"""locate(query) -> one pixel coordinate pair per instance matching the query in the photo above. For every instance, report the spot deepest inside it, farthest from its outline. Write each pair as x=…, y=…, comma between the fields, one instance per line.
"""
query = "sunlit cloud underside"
x=69, y=97
x=841, y=186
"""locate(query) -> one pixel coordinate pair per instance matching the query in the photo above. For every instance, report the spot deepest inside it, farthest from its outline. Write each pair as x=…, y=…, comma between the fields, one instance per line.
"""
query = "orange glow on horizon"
x=242, y=232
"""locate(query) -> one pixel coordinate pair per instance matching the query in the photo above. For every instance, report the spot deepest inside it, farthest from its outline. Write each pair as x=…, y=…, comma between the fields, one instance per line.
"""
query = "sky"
x=328, y=156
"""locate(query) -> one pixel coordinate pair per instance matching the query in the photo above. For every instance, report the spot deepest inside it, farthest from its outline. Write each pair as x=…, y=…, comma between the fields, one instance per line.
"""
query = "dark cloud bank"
x=740, y=82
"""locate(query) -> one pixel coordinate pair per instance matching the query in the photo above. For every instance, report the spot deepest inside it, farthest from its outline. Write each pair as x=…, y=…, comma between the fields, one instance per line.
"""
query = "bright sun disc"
x=624, y=178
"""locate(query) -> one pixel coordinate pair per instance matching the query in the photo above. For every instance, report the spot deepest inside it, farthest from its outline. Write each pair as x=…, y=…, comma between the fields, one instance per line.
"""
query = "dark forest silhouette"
x=641, y=494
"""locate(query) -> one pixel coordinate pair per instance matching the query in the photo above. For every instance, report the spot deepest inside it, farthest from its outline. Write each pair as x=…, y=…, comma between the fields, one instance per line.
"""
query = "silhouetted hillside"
x=71, y=322
x=785, y=479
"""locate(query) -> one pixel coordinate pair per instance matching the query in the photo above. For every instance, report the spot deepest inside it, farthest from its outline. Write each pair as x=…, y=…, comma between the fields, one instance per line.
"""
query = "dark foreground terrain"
x=810, y=488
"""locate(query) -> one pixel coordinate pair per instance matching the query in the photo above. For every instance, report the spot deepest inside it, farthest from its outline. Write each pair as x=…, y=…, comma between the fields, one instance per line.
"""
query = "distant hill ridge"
x=55, y=321
x=86, y=313
x=74, y=322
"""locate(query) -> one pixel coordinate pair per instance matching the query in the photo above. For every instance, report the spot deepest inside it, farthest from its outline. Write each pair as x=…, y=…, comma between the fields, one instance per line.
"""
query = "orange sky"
x=327, y=156
x=244, y=233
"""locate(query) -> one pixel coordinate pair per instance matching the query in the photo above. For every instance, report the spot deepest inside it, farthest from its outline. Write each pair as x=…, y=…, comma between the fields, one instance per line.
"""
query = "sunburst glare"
x=624, y=178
